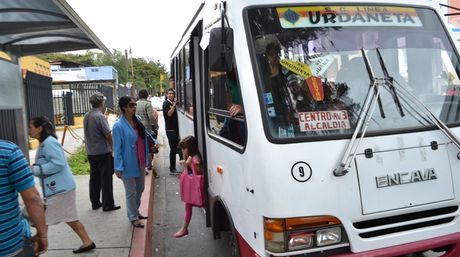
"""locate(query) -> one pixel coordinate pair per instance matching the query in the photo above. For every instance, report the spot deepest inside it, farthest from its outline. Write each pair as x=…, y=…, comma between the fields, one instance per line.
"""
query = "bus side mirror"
x=220, y=49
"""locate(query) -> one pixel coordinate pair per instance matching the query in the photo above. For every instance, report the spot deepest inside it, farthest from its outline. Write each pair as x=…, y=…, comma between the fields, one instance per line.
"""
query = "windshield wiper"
x=409, y=97
x=373, y=97
x=372, y=78
x=451, y=14
x=389, y=81
x=434, y=119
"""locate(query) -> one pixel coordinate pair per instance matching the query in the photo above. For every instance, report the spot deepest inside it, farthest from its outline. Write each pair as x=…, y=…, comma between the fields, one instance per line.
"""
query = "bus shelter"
x=29, y=28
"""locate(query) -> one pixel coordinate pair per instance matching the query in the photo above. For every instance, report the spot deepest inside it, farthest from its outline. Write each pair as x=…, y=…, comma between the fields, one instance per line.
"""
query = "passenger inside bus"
x=277, y=96
x=287, y=94
x=233, y=128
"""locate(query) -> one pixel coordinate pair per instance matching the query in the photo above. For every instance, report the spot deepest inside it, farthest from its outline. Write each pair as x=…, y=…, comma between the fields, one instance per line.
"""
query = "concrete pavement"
x=112, y=232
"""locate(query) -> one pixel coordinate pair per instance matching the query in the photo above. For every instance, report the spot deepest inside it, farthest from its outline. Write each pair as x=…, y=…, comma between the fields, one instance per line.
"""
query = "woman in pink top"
x=130, y=157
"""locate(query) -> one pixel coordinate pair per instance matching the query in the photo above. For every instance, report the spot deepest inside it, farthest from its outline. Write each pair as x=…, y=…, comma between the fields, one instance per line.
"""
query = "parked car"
x=157, y=102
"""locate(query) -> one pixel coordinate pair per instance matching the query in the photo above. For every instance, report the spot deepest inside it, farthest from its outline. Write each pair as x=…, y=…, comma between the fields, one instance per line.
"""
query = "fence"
x=63, y=108
x=72, y=99
x=39, y=98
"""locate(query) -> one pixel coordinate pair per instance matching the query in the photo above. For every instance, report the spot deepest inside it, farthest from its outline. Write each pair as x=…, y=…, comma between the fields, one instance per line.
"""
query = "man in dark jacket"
x=172, y=128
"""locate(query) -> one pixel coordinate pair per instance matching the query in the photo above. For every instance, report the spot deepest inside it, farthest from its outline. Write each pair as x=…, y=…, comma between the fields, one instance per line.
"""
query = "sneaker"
x=174, y=172
x=181, y=233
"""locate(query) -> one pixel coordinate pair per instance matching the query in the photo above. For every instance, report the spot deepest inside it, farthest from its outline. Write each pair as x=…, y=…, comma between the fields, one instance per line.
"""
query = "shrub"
x=78, y=162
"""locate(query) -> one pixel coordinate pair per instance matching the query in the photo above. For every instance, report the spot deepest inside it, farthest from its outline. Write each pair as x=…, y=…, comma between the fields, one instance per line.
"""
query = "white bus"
x=345, y=138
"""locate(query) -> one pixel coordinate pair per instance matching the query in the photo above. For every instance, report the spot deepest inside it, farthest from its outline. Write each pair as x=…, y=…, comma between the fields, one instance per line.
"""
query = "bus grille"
x=405, y=222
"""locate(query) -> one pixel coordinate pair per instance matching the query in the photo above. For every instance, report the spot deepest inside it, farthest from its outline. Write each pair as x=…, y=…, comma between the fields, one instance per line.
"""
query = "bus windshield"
x=312, y=76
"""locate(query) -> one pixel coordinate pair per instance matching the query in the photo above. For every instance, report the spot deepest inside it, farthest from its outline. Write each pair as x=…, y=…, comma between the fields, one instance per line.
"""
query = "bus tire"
x=233, y=242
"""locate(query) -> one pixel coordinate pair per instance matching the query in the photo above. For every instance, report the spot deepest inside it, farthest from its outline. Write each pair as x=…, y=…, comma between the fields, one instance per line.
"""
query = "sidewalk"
x=112, y=233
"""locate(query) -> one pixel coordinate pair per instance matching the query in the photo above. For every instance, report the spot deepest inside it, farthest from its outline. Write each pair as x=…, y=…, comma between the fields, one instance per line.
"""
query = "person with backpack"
x=145, y=111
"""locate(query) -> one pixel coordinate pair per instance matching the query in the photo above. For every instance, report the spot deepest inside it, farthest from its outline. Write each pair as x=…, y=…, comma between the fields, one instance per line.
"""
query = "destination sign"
x=323, y=120
x=347, y=16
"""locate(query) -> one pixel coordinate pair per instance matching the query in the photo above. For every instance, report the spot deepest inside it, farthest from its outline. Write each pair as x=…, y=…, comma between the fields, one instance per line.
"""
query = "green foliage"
x=146, y=71
x=78, y=162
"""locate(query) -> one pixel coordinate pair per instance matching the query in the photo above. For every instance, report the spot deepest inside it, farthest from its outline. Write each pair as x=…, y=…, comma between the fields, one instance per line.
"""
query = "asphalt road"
x=168, y=211
x=169, y=216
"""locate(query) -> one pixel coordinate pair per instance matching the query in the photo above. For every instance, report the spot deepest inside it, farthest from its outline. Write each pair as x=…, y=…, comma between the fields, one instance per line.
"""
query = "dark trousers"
x=100, y=179
x=173, y=140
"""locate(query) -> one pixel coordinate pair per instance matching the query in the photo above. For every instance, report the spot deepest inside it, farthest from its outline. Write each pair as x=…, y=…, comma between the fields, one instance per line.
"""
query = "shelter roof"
x=36, y=27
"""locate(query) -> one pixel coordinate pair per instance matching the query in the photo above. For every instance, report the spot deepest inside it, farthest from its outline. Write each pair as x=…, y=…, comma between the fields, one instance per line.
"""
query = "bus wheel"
x=233, y=242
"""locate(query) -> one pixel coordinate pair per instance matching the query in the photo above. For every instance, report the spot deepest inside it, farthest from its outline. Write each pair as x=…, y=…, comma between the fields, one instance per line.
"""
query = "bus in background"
x=327, y=129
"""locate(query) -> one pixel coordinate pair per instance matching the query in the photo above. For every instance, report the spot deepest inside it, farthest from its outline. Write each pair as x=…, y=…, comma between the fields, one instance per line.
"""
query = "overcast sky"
x=152, y=28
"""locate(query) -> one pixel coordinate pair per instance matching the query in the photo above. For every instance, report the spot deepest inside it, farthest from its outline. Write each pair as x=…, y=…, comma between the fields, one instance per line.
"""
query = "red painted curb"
x=141, y=243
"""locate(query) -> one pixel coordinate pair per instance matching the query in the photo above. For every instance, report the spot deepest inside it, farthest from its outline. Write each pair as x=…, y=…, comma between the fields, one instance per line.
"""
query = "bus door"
x=197, y=69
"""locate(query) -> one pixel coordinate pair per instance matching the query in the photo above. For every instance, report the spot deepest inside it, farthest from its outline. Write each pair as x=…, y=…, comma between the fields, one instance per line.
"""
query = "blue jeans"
x=133, y=190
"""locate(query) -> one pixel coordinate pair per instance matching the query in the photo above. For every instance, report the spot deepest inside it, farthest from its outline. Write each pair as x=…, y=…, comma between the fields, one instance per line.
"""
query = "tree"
x=146, y=71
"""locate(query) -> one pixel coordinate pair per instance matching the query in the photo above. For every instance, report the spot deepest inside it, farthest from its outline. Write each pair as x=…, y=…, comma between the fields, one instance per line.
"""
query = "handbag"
x=150, y=136
x=52, y=187
x=153, y=146
x=192, y=187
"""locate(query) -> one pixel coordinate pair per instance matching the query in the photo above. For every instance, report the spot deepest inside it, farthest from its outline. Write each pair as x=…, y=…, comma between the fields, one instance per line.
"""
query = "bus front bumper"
x=450, y=242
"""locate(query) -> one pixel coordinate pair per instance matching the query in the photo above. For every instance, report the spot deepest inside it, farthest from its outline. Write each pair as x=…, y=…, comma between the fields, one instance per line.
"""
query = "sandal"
x=142, y=217
x=137, y=224
x=83, y=249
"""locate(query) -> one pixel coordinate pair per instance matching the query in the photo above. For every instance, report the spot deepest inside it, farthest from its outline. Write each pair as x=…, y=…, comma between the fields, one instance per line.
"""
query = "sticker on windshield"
x=298, y=68
x=286, y=131
x=315, y=85
x=319, y=65
x=323, y=120
x=271, y=112
x=268, y=99
x=347, y=16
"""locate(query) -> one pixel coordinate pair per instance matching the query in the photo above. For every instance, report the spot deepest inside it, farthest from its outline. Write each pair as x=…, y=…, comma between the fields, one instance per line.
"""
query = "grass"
x=78, y=162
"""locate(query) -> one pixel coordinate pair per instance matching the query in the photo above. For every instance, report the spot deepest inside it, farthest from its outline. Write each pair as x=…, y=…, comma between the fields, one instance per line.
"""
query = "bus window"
x=180, y=92
x=188, y=99
x=314, y=80
x=226, y=112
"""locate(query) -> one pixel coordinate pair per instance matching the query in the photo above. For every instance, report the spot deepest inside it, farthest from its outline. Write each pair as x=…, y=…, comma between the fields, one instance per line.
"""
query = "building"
x=35, y=65
x=72, y=88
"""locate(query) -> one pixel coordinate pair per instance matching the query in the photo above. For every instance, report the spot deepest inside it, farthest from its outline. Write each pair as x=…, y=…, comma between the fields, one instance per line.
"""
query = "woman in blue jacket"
x=56, y=180
x=130, y=157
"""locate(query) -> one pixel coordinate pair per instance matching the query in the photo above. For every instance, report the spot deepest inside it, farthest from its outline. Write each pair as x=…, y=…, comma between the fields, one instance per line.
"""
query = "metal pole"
x=127, y=66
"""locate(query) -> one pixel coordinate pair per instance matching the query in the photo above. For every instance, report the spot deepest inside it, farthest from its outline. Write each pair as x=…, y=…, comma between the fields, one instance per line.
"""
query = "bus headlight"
x=291, y=234
x=300, y=240
x=328, y=236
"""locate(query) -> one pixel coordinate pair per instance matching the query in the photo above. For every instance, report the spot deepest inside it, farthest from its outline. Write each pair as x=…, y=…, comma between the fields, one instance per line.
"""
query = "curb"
x=141, y=242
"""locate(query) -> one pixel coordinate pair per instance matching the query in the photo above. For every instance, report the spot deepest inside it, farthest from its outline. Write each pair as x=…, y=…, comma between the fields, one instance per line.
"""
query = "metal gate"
x=39, y=96
x=71, y=99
